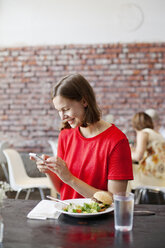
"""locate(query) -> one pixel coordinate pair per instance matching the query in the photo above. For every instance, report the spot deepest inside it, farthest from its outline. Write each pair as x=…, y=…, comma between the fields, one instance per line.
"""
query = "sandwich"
x=104, y=199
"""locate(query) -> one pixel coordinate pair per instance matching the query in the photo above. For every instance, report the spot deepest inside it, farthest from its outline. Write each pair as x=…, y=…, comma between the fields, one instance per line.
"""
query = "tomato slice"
x=78, y=210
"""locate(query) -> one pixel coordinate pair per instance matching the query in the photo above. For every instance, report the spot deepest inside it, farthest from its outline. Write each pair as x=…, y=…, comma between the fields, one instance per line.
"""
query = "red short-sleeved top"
x=95, y=160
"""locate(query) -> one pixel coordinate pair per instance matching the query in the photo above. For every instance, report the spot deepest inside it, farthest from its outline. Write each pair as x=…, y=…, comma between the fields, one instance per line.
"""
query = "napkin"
x=45, y=209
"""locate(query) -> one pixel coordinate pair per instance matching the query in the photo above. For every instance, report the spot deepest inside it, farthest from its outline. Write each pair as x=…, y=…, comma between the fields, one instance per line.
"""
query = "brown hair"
x=76, y=87
x=141, y=120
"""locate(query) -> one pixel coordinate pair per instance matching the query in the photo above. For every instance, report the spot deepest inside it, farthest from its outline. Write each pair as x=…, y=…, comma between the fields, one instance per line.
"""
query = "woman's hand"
x=41, y=165
x=59, y=167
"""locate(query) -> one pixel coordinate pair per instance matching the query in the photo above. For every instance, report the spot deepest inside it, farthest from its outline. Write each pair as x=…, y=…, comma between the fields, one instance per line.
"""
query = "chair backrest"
x=53, y=144
x=15, y=167
x=3, y=145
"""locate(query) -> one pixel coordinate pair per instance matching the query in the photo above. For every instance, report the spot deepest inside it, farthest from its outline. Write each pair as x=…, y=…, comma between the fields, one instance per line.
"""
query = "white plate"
x=59, y=207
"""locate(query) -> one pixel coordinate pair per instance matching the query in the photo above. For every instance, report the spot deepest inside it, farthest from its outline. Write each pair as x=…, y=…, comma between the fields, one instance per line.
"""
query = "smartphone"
x=37, y=157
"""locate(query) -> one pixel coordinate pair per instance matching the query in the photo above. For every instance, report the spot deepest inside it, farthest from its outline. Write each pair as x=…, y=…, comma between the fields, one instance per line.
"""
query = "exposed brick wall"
x=126, y=78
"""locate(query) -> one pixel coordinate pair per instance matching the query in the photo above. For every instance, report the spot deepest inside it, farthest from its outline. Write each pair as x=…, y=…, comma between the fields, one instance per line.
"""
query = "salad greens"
x=92, y=207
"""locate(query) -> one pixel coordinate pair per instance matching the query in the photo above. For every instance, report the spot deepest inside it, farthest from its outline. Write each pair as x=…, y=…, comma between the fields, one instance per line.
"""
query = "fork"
x=57, y=200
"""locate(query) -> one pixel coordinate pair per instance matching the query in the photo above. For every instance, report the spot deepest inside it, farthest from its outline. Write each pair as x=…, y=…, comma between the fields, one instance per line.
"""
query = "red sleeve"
x=120, y=166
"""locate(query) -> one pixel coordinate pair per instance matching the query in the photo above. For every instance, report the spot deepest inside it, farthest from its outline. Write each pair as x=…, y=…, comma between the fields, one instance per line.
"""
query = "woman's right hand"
x=41, y=165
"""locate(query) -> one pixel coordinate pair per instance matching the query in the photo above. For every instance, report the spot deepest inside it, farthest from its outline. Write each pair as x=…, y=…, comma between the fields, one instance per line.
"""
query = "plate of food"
x=101, y=203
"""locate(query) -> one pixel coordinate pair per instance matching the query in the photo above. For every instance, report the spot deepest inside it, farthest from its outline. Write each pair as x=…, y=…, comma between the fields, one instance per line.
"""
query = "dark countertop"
x=66, y=232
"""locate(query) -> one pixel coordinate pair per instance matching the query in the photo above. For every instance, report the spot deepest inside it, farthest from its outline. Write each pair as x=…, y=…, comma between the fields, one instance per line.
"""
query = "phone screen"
x=37, y=157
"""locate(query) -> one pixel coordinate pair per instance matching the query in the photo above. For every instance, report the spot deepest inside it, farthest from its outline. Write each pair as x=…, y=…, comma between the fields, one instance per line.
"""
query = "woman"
x=150, y=147
x=92, y=153
x=156, y=121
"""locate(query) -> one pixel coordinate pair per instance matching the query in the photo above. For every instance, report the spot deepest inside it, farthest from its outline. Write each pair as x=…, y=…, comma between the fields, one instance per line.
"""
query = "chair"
x=53, y=145
x=149, y=195
x=18, y=178
x=3, y=162
x=143, y=183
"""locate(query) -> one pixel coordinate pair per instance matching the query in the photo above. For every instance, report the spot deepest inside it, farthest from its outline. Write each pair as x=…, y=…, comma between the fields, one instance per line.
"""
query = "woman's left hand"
x=59, y=167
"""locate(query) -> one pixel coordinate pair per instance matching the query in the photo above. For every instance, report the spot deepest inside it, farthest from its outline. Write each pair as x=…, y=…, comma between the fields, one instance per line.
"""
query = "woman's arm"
x=60, y=168
x=56, y=182
x=116, y=186
x=141, y=144
x=88, y=191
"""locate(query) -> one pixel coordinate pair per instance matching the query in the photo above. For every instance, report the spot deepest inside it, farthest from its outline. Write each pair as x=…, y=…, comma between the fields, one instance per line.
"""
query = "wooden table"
x=69, y=232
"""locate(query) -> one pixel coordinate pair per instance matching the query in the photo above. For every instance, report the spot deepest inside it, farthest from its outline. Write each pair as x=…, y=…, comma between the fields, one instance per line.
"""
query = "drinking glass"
x=123, y=211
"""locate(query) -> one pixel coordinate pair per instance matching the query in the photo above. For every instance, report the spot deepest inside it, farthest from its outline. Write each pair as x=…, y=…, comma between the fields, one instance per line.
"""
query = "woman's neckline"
x=96, y=135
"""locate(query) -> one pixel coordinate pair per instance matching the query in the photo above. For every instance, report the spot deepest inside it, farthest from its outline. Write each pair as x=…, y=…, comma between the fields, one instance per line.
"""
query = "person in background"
x=156, y=121
x=92, y=154
x=149, y=150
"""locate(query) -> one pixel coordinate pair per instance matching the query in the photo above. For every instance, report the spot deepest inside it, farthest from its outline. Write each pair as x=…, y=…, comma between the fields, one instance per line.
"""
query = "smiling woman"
x=74, y=93
x=71, y=112
x=93, y=154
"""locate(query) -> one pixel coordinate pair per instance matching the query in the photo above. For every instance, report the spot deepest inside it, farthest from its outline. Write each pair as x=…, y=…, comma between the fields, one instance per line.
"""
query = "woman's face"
x=70, y=111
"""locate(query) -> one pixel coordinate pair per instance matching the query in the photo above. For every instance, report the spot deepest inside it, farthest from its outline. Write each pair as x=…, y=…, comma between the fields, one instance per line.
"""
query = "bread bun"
x=103, y=197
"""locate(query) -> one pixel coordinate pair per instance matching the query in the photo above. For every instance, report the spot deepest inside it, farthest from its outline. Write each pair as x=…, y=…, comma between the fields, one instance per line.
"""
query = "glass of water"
x=123, y=211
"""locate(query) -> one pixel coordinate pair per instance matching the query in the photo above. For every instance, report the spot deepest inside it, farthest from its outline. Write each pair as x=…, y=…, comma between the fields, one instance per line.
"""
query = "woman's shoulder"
x=66, y=134
x=114, y=133
x=117, y=131
x=153, y=135
x=67, y=131
x=149, y=131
